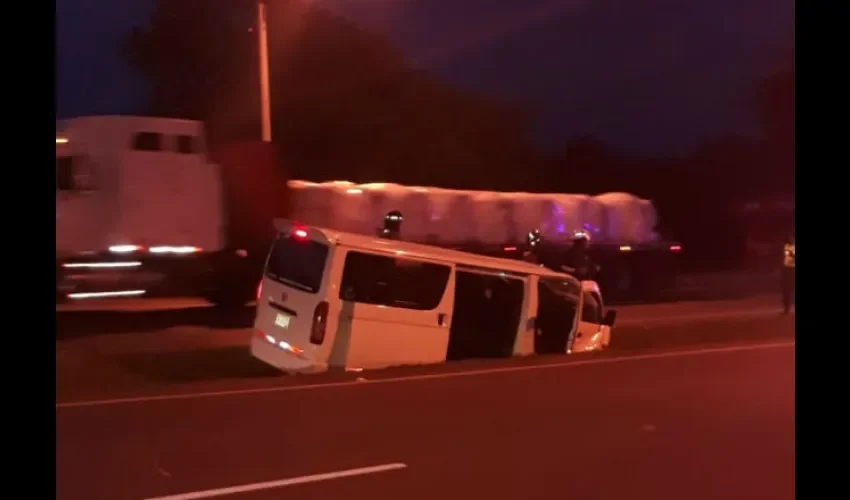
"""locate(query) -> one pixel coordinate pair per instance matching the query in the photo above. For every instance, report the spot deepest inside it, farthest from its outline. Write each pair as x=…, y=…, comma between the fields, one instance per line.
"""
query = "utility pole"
x=265, y=90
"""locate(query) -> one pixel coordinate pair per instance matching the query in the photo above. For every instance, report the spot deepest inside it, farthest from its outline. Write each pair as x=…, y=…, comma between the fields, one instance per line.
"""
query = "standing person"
x=392, y=225
x=533, y=241
x=788, y=267
x=577, y=262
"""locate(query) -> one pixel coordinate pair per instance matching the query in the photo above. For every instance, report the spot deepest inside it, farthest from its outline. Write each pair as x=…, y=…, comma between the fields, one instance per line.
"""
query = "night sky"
x=653, y=77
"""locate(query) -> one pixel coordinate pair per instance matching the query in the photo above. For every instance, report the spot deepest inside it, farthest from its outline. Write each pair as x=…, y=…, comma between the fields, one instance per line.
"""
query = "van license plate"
x=282, y=320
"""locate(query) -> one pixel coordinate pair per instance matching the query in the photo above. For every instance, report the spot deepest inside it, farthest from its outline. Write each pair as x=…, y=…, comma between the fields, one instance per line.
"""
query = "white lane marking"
x=232, y=490
x=433, y=376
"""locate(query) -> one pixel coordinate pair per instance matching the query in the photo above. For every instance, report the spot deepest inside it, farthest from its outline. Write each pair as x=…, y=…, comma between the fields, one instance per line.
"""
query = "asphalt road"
x=673, y=425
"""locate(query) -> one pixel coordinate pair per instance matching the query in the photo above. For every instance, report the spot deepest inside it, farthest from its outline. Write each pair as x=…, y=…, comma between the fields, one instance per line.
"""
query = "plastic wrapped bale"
x=543, y=212
x=312, y=203
x=650, y=221
x=556, y=226
x=494, y=217
x=627, y=218
x=382, y=199
x=415, y=205
x=439, y=206
x=523, y=212
x=583, y=213
x=350, y=209
x=453, y=218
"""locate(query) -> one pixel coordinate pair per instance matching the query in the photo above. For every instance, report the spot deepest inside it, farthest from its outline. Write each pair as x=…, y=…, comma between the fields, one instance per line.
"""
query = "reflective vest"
x=789, y=260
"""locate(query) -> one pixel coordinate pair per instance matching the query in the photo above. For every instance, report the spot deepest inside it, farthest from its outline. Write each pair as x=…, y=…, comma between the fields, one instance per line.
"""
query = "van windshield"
x=297, y=263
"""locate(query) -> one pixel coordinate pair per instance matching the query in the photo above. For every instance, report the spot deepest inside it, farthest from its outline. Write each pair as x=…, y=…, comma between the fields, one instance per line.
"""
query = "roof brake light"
x=675, y=248
x=300, y=233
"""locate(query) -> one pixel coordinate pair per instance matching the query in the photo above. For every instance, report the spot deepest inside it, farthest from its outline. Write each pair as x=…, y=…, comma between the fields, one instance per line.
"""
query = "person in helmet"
x=392, y=225
x=577, y=261
x=788, y=271
x=533, y=242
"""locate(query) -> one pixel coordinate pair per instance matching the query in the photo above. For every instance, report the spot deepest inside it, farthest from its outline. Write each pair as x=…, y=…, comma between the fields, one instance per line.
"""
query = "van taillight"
x=259, y=289
x=320, y=323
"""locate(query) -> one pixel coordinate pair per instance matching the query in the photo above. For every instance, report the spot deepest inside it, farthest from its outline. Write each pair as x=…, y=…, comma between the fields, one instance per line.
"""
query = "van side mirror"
x=610, y=318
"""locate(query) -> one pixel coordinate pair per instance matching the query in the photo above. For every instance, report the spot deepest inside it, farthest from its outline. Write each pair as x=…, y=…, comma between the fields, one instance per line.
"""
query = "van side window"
x=394, y=282
x=147, y=141
x=591, y=311
x=189, y=145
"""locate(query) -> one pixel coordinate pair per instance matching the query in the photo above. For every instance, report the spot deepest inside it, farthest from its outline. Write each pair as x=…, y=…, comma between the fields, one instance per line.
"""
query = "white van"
x=344, y=300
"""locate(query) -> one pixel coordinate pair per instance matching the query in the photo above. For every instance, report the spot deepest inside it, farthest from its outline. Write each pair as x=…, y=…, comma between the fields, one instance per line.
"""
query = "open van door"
x=591, y=332
x=556, y=322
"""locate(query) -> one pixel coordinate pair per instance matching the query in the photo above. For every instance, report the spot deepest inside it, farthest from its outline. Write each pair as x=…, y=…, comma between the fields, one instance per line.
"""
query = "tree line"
x=348, y=105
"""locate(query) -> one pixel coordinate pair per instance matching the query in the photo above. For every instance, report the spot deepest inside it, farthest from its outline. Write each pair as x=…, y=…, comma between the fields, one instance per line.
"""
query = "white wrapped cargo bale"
x=335, y=205
x=649, y=219
x=312, y=203
x=416, y=208
x=583, y=213
x=629, y=217
x=452, y=216
x=354, y=212
x=456, y=216
x=441, y=226
x=379, y=199
x=338, y=205
x=494, y=218
x=542, y=212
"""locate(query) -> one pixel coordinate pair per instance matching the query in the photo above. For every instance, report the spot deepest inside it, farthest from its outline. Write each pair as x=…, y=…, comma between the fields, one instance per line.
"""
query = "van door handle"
x=441, y=319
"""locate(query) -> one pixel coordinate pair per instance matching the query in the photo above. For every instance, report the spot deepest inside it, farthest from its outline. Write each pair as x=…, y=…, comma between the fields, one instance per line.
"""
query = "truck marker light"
x=182, y=250
x=100, y=265
x=103, y=295
x=124, y=248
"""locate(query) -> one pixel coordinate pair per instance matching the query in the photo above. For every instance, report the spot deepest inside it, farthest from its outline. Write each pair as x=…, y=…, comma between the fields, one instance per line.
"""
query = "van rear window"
x=297, y=263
